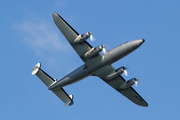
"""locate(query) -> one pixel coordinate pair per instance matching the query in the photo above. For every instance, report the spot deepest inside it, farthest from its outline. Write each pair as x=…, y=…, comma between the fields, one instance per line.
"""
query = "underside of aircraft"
x=95, y=64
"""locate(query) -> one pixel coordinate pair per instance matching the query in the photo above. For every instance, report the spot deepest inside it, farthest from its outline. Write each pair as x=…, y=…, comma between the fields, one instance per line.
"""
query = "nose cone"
x=143, y=40
x=140, y=42
x=90, y=33
x=136, y=43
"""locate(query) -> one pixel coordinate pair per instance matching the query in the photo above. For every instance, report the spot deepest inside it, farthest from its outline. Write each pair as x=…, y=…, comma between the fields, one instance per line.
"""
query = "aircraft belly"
x=109, y=58
x=73, y=77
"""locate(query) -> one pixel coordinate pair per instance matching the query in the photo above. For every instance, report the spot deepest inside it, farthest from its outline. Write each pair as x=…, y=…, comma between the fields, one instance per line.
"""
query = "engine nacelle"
x=128, y=83
x=94, y=51
x=83, y=37
x=116, y=73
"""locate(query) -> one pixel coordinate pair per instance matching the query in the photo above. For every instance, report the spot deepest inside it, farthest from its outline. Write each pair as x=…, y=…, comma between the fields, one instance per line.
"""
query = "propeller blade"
x=104, y=50
x=125, y=73
x=136, y=83
x=92, y=38
x=140, y=81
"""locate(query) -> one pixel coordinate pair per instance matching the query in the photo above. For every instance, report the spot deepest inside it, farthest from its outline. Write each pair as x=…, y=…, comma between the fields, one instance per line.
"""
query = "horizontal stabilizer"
x=68, y=100
x=44, y=77
x=48, y=81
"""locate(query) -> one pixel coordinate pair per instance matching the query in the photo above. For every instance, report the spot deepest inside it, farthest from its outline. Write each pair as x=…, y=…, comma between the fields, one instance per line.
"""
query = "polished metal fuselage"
x=107, y=58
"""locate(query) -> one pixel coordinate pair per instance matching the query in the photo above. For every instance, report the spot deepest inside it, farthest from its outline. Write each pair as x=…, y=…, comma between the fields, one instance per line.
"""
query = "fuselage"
x=108, y=58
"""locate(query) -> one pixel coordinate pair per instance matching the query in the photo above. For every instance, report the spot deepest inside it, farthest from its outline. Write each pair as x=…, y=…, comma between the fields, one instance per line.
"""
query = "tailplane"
x=48, y=81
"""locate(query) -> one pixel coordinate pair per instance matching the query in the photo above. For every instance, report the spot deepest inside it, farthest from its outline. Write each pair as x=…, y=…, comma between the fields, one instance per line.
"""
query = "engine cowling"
x=83, y=37
x=94, y=51
x=129, y=83
x=116, y=73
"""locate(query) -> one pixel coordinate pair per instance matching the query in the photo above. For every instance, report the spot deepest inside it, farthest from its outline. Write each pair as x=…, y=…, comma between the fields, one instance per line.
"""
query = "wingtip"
x=54, y=14
x=145, y=105
x=36, y=68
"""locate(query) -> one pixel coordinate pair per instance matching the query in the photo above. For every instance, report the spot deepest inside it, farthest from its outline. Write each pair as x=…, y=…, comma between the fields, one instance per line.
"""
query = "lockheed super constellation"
x=95, y=64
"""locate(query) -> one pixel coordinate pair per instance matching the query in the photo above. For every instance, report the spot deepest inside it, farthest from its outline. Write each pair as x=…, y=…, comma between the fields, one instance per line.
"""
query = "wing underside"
x=70, y=34
x=116, y=82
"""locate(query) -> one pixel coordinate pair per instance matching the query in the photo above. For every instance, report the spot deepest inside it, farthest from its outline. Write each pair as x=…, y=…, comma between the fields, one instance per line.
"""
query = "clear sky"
x=28, y=35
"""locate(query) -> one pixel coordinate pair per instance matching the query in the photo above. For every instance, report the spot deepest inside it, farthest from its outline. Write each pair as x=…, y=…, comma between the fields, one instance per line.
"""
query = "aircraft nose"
x=140, y=42
x=90, y=33
x=143, y=40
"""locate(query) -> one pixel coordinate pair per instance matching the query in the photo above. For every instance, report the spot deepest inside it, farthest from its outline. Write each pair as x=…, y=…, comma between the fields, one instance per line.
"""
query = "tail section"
x=48, y=81
x=44, y=77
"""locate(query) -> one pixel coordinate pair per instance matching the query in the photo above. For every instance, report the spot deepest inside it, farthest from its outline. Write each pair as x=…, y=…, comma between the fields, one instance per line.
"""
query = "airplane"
x=95, y=64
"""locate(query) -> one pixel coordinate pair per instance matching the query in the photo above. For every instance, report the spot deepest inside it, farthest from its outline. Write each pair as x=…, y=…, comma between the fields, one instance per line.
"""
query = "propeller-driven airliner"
x=96, y=63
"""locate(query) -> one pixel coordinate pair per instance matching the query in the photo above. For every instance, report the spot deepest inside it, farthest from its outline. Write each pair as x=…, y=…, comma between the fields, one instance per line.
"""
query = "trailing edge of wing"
x=48, y=81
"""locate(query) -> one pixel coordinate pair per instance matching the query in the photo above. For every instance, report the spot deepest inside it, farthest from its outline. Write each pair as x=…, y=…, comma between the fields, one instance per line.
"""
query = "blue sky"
x=28, y=35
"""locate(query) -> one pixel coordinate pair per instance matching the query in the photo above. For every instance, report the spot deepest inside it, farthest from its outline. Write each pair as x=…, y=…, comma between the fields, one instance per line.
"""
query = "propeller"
x=104, y=50
x=125, y=73
x=92, y=38
x=137, y=81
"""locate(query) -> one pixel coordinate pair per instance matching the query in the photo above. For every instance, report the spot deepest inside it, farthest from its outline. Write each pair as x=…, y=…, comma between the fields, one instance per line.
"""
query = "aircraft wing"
x=70, y=34
x=116, y=82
